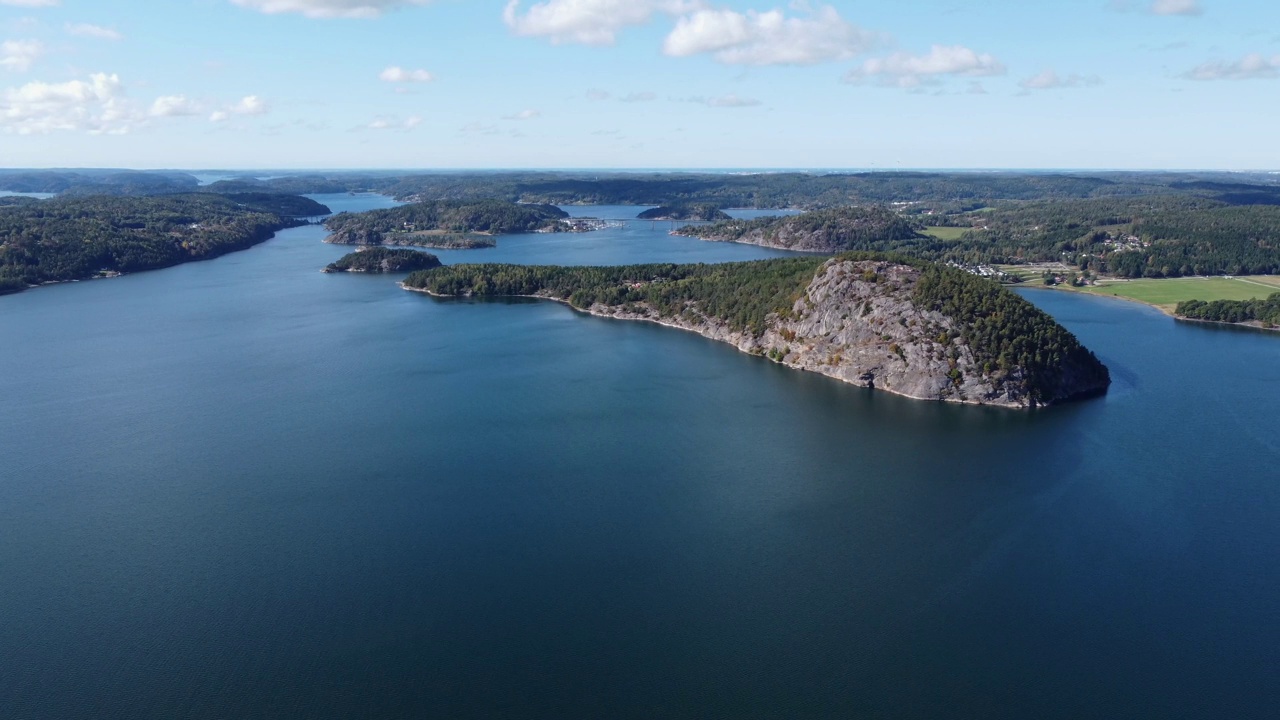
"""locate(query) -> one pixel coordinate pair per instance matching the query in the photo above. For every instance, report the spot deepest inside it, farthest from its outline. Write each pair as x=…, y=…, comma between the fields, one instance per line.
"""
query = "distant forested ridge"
x=72, y=238
x=1126, y=224
x=913, y=192
x=383, y=260
x=896, y=323
x=1265, y=313
x=703, y=212
x=415, y=223
x=834, y=230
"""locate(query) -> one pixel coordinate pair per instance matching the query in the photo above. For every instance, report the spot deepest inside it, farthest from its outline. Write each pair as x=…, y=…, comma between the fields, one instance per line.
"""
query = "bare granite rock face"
x=857, y=322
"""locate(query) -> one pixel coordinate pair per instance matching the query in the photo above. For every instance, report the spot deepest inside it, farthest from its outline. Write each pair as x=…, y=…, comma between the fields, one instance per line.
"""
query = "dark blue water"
x=245, y=489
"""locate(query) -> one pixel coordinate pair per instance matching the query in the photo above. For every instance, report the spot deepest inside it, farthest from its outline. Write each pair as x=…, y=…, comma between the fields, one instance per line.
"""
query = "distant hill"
x=704, y=212
x=835, y=230
x=417, y=223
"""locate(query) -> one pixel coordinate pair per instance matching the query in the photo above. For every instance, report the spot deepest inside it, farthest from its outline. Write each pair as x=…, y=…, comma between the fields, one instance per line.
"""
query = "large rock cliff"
x=907, y=327
x=858, y=322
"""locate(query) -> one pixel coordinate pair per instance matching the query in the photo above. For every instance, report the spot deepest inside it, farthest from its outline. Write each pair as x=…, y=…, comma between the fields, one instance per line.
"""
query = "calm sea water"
x=244, y=489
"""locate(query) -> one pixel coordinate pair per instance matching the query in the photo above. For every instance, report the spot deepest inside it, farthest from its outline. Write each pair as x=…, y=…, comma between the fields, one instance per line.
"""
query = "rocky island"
x=444, y=224
x=383, y=260
x=705, y=212
x=833, y=230
x=898, y=324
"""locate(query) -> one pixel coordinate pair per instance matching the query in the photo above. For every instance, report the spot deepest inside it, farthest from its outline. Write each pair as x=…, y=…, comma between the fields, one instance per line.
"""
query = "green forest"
x=383, y=260
x=706, y=212
x=834, y=230
x=71, y=238
x=497, y=217
x=1157, y=236
x=1264, y=312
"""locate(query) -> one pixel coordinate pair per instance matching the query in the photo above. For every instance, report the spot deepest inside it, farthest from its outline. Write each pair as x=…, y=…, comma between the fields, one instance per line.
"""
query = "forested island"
x=893, y=323
x=703, y=212
x=834, y=230
x=1260, y=313
x=443, y=223
x=383, y=260
x=73, y=238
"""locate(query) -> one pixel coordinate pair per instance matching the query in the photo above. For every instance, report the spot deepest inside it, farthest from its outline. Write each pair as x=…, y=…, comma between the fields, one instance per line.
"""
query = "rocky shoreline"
x=848, y=327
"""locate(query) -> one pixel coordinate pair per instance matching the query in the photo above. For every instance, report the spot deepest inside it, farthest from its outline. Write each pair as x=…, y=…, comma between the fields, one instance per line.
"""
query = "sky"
x=410, y=84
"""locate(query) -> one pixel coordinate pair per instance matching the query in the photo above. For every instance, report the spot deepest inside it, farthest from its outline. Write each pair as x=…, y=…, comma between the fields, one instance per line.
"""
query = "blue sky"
x=639, y=83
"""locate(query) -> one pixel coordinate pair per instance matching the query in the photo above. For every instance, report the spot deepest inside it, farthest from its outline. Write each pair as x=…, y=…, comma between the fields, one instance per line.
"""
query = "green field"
x=1169, y=292
x=946, y=233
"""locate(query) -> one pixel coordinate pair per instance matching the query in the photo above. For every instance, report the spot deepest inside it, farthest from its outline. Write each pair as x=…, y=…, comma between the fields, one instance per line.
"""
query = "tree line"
x=71, y=238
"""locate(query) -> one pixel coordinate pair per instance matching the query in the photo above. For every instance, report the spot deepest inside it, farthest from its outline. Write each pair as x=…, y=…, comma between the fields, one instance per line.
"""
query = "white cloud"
x=523, y=115
x=1050, y=80
x=93, y=31
x=173, y=106
x=1176, y=7
x=1251, y=67
x=909, y=71
x=639, y=97
x=382, y=123
x=1186, y=8
x=589, y=22
x=19, y=55
x=477, y=128
x=396, y=74
x=30, y=3
x=97, y=106
x=725, y=101
x=596, y=94
x=328, y=8
x=250, y=105
x=768, y=38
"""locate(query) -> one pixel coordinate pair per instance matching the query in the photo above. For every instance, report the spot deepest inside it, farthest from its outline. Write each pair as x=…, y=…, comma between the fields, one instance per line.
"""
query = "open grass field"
x=1272, y=280
x=1166, y=293
x=946, y=233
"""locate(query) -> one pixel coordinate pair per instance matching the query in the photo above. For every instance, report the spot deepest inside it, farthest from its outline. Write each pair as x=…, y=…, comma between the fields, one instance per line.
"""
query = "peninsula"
x=892, y=323
x=1257, y=313
x=76, y=238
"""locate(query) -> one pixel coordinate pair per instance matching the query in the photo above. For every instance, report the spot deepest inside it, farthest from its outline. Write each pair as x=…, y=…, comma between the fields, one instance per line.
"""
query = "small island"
x=830, y=231
x=704, y=212
x=904, y=325
x=444, y=224
x=383, y=260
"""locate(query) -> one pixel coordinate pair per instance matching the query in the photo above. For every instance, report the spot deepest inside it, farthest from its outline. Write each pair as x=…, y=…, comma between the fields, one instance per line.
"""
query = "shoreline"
x=1250, y=325
x=1164, y=310
x=113, y=274
x=696, y=331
